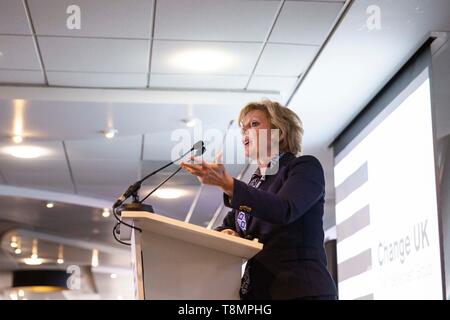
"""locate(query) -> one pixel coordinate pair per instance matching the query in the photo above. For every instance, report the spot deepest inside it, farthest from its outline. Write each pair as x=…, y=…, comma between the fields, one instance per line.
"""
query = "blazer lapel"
x=284, y=160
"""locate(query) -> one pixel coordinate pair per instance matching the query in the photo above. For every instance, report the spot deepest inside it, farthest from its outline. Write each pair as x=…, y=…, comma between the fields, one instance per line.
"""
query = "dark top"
x=285, y=213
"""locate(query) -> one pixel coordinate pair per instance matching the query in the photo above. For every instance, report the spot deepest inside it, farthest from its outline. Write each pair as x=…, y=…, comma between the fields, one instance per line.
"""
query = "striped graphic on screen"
x=353, y=233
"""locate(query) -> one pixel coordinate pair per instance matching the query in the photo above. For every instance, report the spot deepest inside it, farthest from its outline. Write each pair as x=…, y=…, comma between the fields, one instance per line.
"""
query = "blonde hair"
x=282, y=118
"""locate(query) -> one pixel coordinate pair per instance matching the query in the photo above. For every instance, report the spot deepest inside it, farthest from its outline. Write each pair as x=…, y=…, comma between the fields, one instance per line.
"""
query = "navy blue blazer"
x=286, y=216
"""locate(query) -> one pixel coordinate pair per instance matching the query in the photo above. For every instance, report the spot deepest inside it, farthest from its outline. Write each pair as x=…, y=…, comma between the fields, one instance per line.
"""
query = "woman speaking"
x=282, y=206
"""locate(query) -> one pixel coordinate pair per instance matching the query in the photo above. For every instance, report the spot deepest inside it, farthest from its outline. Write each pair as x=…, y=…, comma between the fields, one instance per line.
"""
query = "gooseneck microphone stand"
x=133, y=191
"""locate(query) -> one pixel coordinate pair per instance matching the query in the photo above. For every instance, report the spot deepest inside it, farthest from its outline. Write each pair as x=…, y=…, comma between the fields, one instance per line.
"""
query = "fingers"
x=191, y=166
x=193, y=169
x=219, y=158
x=230, y=232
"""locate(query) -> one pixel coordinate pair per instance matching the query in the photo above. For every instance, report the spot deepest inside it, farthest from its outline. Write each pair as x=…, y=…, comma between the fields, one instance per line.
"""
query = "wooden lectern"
x=177, y=260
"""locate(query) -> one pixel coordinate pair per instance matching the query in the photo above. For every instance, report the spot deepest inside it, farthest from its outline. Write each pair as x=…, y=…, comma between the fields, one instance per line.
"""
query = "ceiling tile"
x=119, y=148
x=158, y=146
x=94, y=55
x=97, y=80
x=305, y=22
x=285, y=60
x=72, y=120
x=49, y=172
x=214, y=20
x=242, y=56
x=18, y=52
x=22, y=77
x=115, y=175
x=13, y=19
x=52, y=150
x=50, y=175
x=198, y=81
x=99, y=18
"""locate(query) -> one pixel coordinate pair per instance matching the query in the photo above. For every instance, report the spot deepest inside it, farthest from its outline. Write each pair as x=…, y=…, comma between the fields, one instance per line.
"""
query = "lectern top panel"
x=152, y=222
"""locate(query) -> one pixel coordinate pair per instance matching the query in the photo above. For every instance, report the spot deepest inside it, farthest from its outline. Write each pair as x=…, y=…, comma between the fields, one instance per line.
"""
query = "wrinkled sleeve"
x=303, y=187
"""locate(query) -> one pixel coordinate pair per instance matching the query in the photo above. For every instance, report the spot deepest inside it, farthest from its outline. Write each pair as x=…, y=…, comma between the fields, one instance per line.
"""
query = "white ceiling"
x=117, y=48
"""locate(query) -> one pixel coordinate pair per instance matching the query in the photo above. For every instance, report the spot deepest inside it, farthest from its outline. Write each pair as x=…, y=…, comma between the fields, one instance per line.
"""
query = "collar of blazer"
x=272, y=168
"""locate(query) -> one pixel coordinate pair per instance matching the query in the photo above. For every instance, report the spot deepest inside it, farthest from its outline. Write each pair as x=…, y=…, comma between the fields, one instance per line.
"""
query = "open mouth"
x=246, y=142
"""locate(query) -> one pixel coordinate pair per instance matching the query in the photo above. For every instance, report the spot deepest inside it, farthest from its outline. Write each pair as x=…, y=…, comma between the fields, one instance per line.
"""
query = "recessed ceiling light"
x=94, y=261
x=110, y=133
x=13, y=241
x=106, y=213
x=113, y=276
x=60, y=261
x=18, y=251
x=33, y=261
x=50, y=205
x=190, y=123
x=202, y=60
x=17, y=139
x=25, y=152
x=168, y=193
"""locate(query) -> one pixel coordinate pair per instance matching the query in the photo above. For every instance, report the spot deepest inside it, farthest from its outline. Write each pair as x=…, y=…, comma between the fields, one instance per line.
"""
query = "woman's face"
x=255, y=134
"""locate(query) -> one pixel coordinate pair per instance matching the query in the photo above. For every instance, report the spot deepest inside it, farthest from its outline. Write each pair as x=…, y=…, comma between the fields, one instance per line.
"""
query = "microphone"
x=198, y=148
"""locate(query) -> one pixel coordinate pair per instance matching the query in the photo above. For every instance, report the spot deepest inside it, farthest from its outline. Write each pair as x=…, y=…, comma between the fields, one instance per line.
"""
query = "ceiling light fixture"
x=190, y=123
x=13, y=242
x=25, y=152
x=110, y=133
x=168, y=193
x=113, y=276
x=60, y=255
x=202, y=60
x=106, y=213
x=33, y=261
x=17, y=245
x=17, y=139
x=94, y=262
x=50, y=205
x=34, y=249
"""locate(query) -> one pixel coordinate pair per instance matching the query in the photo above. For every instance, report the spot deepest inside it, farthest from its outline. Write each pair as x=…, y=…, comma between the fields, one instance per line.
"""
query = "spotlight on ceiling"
x=192, y=122
x=110, y=133
x=50, y=205
x=60, y=255
x=17, y=139
x=106, y=213
x=13, y=242
x=94, y=261
x=33, y=261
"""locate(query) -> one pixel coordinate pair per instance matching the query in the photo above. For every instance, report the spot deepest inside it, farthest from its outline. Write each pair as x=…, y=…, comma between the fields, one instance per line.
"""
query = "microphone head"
x=198, y=146
x=199, y=152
